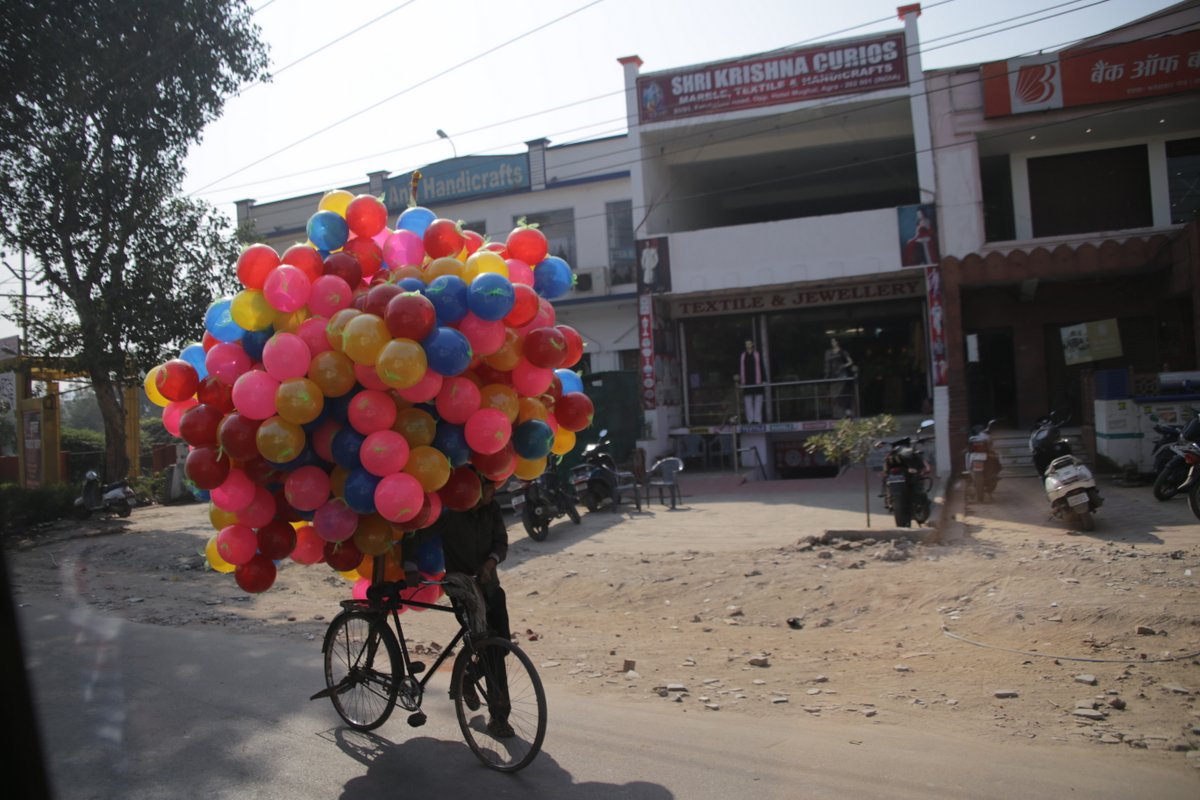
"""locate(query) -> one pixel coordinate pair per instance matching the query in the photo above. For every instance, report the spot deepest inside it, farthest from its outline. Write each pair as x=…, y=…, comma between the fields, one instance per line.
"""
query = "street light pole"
x=443, y=135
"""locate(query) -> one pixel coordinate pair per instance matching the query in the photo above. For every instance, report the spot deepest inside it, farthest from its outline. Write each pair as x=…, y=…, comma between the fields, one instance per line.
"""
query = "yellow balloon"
x=528, y=469
x=336, y=201
x=299, y=401
x=373, y=535
x=214, y=558
x=332, y=372
x=401, y=363
x=531, y=408
x=337, y=481
x=486, y=261
x=416, y=426
x=289, y=322
x=251, y=310
x=220, y=518
x=279, y=440
x=336, y=326
x=429, y=466
x=509, y=354
x=564, y=441
x=504, y=398
x=446, y=265
x=152, y=392
x=363, y=337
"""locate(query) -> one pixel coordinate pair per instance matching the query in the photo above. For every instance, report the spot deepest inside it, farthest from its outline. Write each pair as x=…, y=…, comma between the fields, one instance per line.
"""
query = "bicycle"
x=368, y=671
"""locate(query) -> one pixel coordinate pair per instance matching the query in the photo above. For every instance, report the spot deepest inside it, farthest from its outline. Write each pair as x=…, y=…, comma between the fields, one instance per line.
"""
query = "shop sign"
x=31, y=425
x=789, y=76
x=762, y=427
x=1130, y=71
x=647, y=384
x=784, y=299
x=460, y=179
x=1090, y=341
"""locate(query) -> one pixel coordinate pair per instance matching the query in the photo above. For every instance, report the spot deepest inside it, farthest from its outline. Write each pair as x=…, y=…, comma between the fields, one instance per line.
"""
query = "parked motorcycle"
x=545, y=499
x=95, y=498
x=982, y=464
x=595, y=479
x=907, y=478
x=1069, y=484
x=1170, y=460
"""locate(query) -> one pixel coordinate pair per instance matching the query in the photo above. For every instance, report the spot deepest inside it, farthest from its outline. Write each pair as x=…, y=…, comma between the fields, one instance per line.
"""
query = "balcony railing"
x=785, y=401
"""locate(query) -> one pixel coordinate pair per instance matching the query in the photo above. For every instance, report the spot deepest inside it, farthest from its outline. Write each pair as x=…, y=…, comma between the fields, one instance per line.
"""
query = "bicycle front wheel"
x=500, y=702
x=361, y=659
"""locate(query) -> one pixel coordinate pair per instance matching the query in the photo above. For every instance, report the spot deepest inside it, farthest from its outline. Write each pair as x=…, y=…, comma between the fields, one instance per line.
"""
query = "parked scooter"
x=545, y=499
x=1170, y=460
x=907, y=478
x=982, y=464
x=1069, y=484
x=94, y=498
x=595, y=479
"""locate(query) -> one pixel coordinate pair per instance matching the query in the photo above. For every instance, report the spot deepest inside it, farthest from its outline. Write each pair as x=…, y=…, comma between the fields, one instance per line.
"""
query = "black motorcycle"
x=595, y=479
x=907, y=478
x=546, y=498
x=1047, y=443
x=1170, y=461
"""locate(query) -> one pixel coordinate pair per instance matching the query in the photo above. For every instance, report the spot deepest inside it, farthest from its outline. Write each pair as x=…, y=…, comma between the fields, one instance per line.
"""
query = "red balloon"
x=255, y=263
x=207, y=467
x=431, y=509
x=525, y=306
x=462, y=490
x=497, y=247
x=212, y=392
x=574, y=345
x=237, y=434
x=276, y=539
x=443, y=237
x=369, y=255
x=545, y=347
x=198, y=427
x=256, y=575
x=410, y=316
x=345, y=266
x=378, y=297
x=528, y=245
x=473, y=241
x=343, y=556
x=177, y=380
x=366, y=216
x=494, y=464
x=305, y=258
x=310, y=548
x=574, y=411
x=262, y=472
x=208, y=341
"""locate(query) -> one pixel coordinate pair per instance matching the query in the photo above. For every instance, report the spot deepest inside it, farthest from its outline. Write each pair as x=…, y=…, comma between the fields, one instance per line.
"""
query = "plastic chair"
x=664, y=476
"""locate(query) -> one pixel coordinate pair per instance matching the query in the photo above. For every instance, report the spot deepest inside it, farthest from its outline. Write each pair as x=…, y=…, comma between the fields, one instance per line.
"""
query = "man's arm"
x=499, y=544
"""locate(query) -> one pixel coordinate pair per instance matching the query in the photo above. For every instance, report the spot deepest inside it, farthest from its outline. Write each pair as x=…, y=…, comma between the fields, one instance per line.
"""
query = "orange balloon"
x=429, y=466
x=407, y=271
x=337, y=481
x=289, y=321
x=298, y=400
x=401, y=363
x=531, y=408
x=279, y=440
x=528, y=469
x=336, y=326
x=499, y=396
x=446, y=265
x=416, y=426
x=509, y=354
x=363, y=337
x=332, y=372
x=373, y=536
x=220, y=518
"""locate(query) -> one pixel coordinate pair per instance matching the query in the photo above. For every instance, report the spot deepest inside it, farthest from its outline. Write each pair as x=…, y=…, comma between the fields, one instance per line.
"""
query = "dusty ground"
x=690, y=609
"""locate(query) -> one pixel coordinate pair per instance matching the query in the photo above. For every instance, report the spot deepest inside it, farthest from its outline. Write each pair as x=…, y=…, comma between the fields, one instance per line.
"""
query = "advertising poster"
x=654, y=266
x=31, y=428
x=918, y=235
x=1091, y=341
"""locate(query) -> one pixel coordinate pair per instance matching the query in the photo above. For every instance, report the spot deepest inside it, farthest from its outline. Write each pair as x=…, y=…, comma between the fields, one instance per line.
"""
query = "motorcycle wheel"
x=1084, y=520
x=573, y=512
x=920, y=511
x=1166, y=485
x=1194, y=500
x=123, y=508
x=589, y=500
x=537, y=528
x=978, y=488
x=81, y=511
x=901, y=512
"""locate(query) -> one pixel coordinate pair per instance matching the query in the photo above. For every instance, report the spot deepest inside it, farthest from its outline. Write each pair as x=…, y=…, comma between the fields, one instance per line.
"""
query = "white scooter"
x=116, y=498
x=1069, y=484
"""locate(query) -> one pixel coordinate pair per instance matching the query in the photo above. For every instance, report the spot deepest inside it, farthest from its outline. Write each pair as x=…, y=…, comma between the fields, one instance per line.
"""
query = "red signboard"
x=648, y=384
x=1146, y=68
x=786, y=76
x=900, y=287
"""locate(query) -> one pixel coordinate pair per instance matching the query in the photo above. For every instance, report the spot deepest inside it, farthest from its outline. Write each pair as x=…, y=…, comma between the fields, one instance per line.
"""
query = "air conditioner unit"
x=591, y=281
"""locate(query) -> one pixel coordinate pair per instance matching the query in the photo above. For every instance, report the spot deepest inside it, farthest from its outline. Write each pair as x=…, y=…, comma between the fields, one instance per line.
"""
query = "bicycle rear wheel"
x=361, y=659
x=506, y=728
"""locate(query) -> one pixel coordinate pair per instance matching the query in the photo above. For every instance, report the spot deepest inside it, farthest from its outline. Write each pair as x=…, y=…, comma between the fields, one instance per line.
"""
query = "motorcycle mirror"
x=603, y=432
x=927, y=424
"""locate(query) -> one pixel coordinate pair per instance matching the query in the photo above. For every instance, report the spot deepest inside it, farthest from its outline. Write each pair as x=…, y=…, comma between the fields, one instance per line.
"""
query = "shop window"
x=479, y=226
x=621, y=246
x=714, y=345
x=1097, y=190
x=629, y=360
x=1183, y=178
x=995, y=176
x=559, y=229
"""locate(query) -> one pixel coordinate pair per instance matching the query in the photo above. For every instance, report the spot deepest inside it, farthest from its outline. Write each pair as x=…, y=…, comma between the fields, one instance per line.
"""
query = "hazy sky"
x=363, y=85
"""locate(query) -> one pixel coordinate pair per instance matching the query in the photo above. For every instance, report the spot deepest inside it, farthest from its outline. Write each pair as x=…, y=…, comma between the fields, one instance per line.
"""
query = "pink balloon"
x=544, y=318
x=260, y=511
x=529, y=380
x=486, y=337
x=237, y=544
x=235, y=494
x=312, y=331
x=403, y=247
x=359, y=590
x=174, y=412
x=287, y=288
x=309, y=548
x=285, y=355
x=423, y=390
x=399, y=497
x=519, y=271
x=458, y=400
x=381, y=237
x=227, y=361
x=369, y=378
x=384, y=452
x=330, y=294
x=307, y=488
x=487, y=430
x=254, y=395
x=371, y=410
x=335, y=521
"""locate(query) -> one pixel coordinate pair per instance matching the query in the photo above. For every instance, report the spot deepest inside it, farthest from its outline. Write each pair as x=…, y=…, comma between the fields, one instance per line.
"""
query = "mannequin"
x=838, y=364
x=751, y=378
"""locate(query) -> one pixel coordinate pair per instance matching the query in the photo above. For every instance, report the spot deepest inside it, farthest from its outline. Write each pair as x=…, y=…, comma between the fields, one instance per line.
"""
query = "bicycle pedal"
x=416, y=720
x=416, y=667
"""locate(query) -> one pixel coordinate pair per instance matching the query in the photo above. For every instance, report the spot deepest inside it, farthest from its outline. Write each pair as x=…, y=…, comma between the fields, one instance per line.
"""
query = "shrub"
x=24, y=508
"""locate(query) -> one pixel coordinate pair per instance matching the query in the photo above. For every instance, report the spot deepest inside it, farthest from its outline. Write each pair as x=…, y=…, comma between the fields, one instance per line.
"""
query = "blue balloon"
x=570, y=381
x=194, y=355
x=447, y=351
x=254, y=342
x=490, y=296
x=415, y=219
x=552, y=278
x=448, y=293
x=328, y=230
x=412, y=285
x=360, y=490
x=345, y=446
x=339, y=407
x=307, y=457
x=532, y=439
x=218, y=320
x=452, y=441
x=430, y=557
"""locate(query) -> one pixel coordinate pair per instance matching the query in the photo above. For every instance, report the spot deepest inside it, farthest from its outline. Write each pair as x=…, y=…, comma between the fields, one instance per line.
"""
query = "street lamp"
x=442, y=135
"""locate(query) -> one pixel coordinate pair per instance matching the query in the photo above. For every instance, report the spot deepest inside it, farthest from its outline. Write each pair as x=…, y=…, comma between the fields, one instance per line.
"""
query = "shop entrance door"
x=991, y=381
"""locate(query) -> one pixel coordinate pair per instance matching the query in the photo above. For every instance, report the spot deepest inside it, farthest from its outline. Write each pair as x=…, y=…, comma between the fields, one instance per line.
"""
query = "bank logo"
x=1035, y=85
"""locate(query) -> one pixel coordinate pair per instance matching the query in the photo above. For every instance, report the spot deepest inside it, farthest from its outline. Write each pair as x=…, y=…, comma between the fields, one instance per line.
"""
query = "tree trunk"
x=108, y=393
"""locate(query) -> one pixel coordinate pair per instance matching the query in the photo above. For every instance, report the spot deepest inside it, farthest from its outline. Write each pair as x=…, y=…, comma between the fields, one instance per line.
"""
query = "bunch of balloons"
x=360, y=383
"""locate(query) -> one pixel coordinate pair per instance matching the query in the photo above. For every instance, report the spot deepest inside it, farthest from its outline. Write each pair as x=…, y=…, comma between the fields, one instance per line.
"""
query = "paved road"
x=136, y=711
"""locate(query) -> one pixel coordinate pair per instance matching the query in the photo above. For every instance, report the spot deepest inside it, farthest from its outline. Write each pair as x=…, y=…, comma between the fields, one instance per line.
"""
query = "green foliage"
x=80, y=410
x=81, y=440
x=23, y=508
x=153, y=433
x=851, y=439
x=149, y=486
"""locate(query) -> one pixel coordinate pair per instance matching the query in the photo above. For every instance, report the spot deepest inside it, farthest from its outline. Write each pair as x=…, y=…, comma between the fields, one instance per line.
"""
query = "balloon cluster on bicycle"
x=361, y=382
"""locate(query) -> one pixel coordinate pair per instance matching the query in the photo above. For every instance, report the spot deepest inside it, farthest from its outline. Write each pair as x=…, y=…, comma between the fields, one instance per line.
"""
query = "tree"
x=849, y=443
x=101, y=100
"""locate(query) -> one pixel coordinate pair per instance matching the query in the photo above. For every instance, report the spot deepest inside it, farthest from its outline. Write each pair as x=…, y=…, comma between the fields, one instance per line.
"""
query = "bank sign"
x=464, y=178
x=786, y=76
